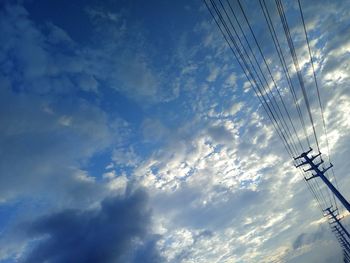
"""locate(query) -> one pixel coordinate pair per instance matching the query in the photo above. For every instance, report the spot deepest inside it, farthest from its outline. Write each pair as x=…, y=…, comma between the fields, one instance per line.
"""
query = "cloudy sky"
x=129, y=133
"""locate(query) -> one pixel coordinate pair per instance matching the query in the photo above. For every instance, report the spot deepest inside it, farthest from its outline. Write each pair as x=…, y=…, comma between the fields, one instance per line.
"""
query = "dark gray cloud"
x=117, y=232
x=220, y=134
x=308, y=238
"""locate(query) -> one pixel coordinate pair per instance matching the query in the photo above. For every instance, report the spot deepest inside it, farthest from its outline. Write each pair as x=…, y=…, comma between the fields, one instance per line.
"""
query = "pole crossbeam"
x=339, y=231
x=346, y=256
x=336, y=220
x=317, y=172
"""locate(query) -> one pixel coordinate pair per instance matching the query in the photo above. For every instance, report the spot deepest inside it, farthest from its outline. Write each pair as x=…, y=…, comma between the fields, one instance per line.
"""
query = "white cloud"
x=118, y=184
x=235, y=108
x=65, y=120
x=213, y=74
x=231, y=80
x=221, y=185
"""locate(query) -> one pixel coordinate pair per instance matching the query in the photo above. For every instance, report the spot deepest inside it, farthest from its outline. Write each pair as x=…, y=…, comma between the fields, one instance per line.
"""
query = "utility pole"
x=336, y=220
x=346, y=257
x=342, y=239
x=343, y=243
x=337, y=227
x=306, y=160
x=340, y=231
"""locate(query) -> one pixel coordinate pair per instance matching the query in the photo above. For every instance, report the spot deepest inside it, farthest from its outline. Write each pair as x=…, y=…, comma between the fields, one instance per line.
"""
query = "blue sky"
x=129, y=133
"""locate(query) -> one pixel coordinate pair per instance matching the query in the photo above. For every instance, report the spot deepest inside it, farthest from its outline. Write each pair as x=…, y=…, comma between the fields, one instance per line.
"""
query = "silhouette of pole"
x=342, y=240
x=336, y=220
x=321, y=173
x=346, y=256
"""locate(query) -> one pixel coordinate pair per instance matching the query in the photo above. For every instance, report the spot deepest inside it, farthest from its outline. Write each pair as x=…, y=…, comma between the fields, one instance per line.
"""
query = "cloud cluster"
x=118, y=231
x=221, y=187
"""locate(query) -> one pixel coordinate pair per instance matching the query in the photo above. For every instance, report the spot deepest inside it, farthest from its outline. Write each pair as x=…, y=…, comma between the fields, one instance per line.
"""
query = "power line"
x=318, y=196
x=257, y=63
x=252, y=32
x=271, y=111
x=245, y=53
x=270, y=73
x=300, y=78
x=269, y=102
x=279, y=116
x=318, y=95
x=296, y=64
x=284, y=65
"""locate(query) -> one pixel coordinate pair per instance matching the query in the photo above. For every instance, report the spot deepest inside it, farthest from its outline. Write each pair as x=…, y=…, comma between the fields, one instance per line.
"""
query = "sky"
x=129, y=134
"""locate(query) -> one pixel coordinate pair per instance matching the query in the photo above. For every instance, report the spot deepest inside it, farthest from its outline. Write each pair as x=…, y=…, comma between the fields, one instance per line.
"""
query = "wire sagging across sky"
x=233, y=22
